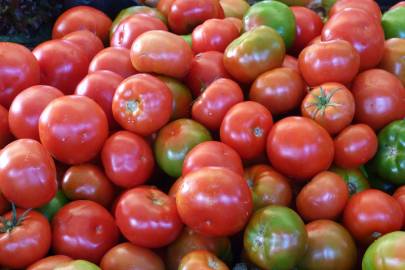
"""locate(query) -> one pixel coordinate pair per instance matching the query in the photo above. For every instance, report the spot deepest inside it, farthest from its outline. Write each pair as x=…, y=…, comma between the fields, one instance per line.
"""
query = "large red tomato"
x=5, y=134
x=18, y=70
x=399, y=195
x=27, y=174
x=113, y=59
x=87, y=41
x=295, y=140
x=49, y=263
x=369, y=6
x=26, y=109
x=83, y=230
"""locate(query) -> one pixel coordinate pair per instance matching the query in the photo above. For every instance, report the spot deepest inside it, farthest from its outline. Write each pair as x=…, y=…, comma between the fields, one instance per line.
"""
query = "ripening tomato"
x=49, y=263
x=369, y=6
x=397, y=5
x=87, y=41
x=78, y=265
x=113, y=59
x=26, y=109
x=19, y=69
x=5, y=134
x=393, y=60
x=234, y=8
x=355, y=179
x=201, y=259
x=399, y=195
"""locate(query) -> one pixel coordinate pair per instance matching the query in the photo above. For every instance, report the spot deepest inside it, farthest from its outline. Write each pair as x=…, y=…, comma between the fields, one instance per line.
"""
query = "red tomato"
x=205, y=68
x=63, y=64
x=49, y=263
x=214, y=201
x=73, y=129
x=4, y=204
x=324, y=197
x=161, y=52
x=127, y=159
x=164, y=6
x=280, y=90
x=369, y=6
x=82, y=18
x=291, y=62
x=113, y=59
x=25, y=240
x=308, y=26
x=27, y=174
x=210, y=108
x=201, y=259
x=330, y=61
x=87, y=41
x=399, y=195
x=83, y=230
x=132, y=27
x=355, y=146
x=245, y=128
x=236, y=21
x=26, y=109
x=100, y=86
x=294, y=140
x=5, y=134
x=19, y=69
x=184, y=15
x=175, y=187
x=147, y=217
x=372, y=213
x=361, y=30
x=142, y=104
x=380, y=98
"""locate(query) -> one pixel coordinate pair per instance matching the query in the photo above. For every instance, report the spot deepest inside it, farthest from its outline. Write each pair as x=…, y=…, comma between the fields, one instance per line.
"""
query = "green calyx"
x=322, y=101
x=7, y=225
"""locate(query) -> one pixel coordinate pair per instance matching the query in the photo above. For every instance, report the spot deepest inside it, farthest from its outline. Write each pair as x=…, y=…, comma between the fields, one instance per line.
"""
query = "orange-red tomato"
x=113, y=59
x=202, y=260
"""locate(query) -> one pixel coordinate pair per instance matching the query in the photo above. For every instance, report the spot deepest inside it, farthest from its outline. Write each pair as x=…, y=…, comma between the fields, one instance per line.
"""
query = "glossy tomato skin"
x=113, y=59
x=372, y=213
x=82, y=17
x=73, y=129
x=228, y=205
x=280, y=90
x=212, y=105
x=87, y=41
x=377, y=86
x=127, y=159
x=26, y=109
x=329, y=61
x=83, y=230
x=354, y=146
x=27, y=174
x=286, y=150
x=78, y=265
x=392, y=59
x=369, y=6
x=399, y=195
x=49, y=263
x=147, y=217
x=126, y=256
x=245, y=128
x=234, y=8
x=19, y=69
x=201, y=259
x=354, y=178
x=5, y=133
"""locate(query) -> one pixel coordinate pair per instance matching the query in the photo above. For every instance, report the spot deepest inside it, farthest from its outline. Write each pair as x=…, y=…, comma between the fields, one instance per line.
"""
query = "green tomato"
x=175, y=140
x=354, y=178
x=386, y=253
x=78, y=265
x=51, y=208
x=275, y=238
x=296, y=2
x=275, y=15
x=393, y=22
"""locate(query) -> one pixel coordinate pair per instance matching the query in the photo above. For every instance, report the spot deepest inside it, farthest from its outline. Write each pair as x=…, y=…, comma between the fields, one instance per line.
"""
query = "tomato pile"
x=206, y=134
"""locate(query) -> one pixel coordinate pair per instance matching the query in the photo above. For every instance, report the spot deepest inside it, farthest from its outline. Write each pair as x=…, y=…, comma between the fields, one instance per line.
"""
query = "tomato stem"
x=7, y=225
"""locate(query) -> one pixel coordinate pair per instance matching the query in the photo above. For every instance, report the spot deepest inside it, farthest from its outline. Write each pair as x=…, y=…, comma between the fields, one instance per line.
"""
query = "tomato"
x=253, y=53
x=211, y=107
x=63, y=64
x=393, y=58
x=275, y=238
x=73, y=129
x=147, y=217
x=113, y=59
x=291, y=62
x=19, y=69
x=164, y=6
x=83, y=230
x=393, y=24
x=213, y=35
x=142, y=104
x=25, y=237
x=397, y=5
x=399, y=195
x=127, y=159
x=87, y=41
x=5, y=134
x=330, y=246
x=361, y=30
x=132, y=27
x=190, y=240
x=78, y=265
x=127, y=256
x=372, y=213
x=380, y=87
x=80, y=18
x=308, y=26
x=268, y=187
x=355, y=146
x=26, y=108
x=100, y=86
x=201, y=259
x=287, y=151
x=174, y=141
x=205, y=68
x=161, y=52
x=280, y=90
x=52, y=207
x=236, y=21
x=369, y=6
x=331, y=105
x=184, y=15
x=175, y=187
x=234, y=8
x=329, y=61
x=49, y=263
x=226, y=206
x=27, y=174
x=354, y=178
x=324, y=197
x=4, y=204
